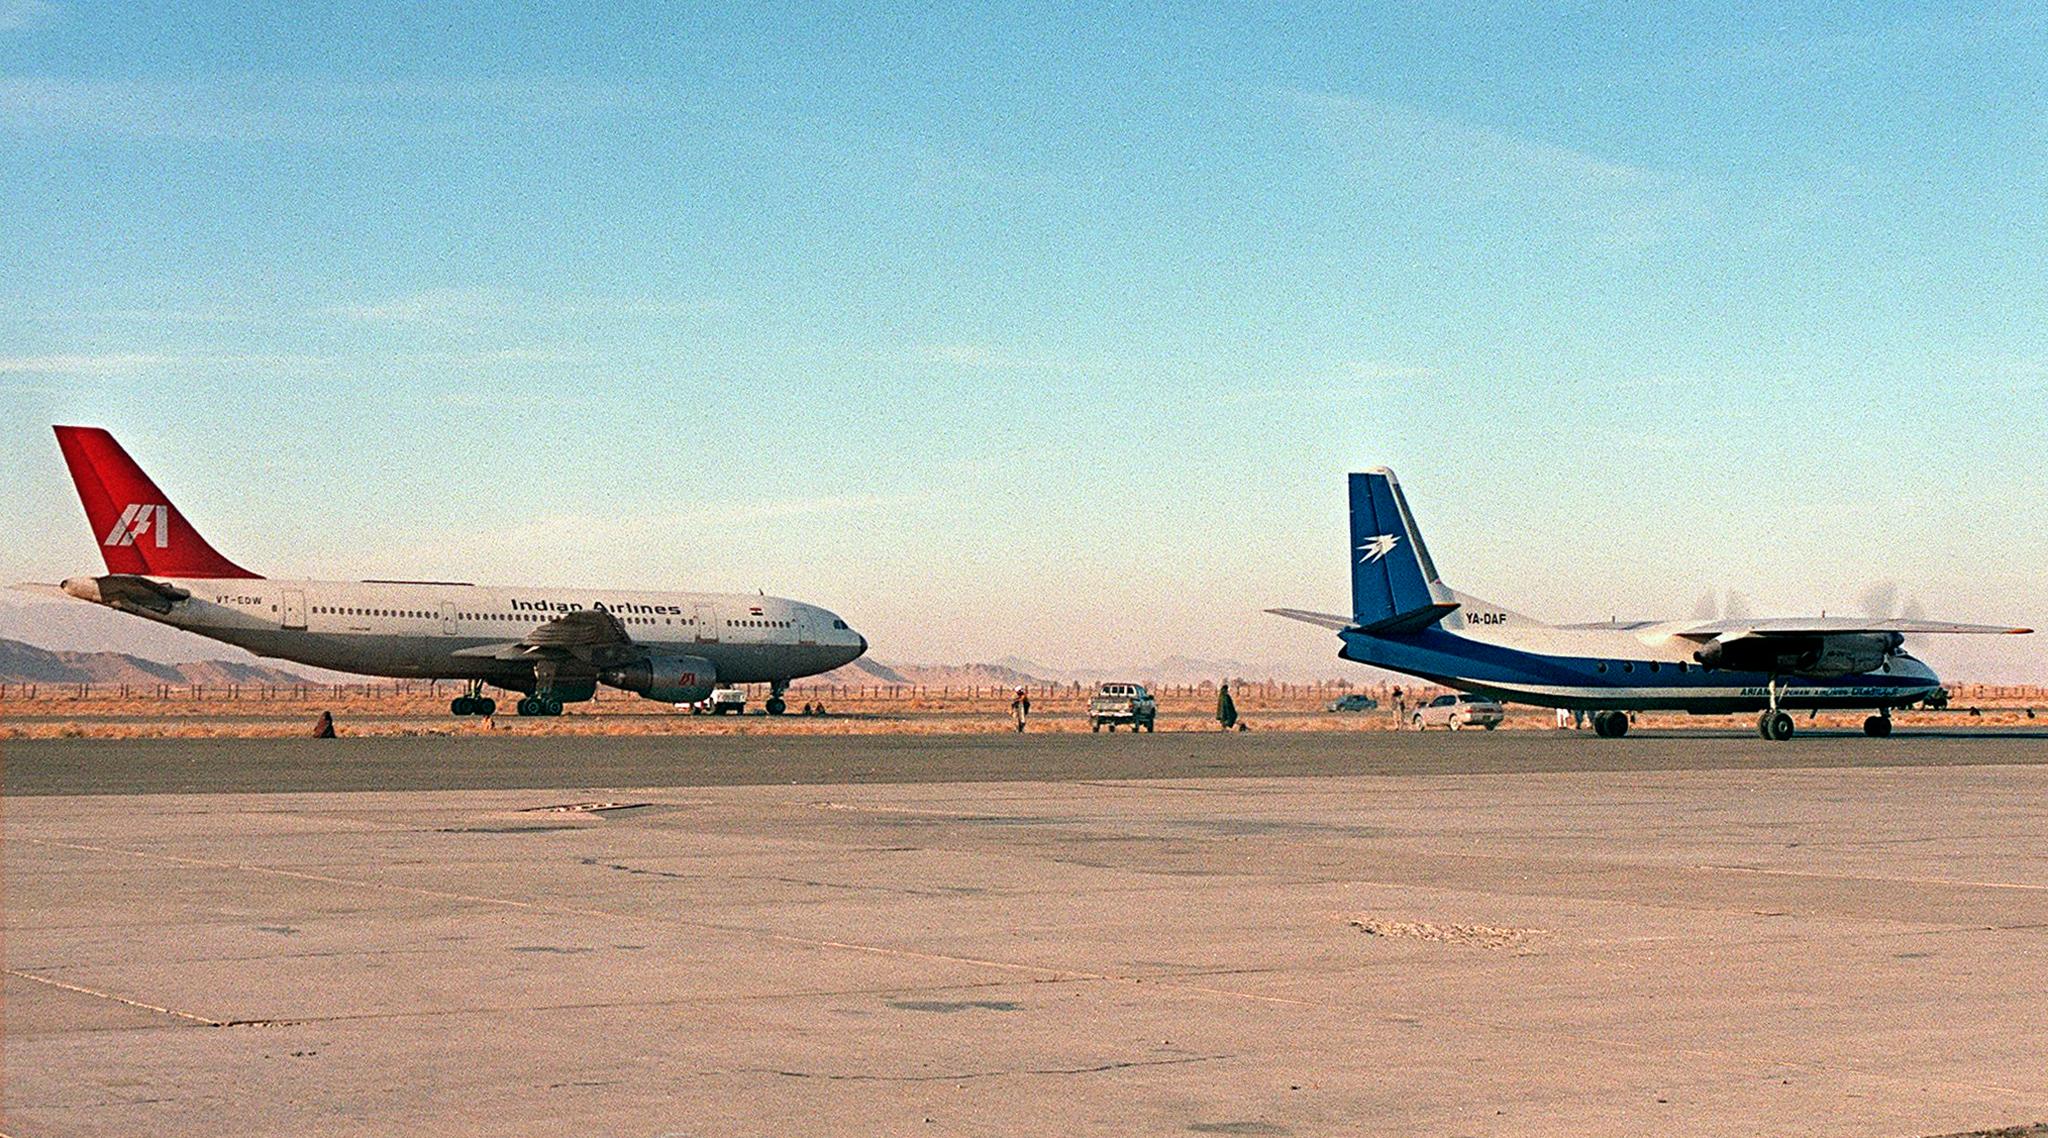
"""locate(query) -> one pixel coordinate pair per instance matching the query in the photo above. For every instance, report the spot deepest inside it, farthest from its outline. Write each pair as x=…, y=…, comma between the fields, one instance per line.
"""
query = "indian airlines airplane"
x=1405, y=619
x=554, y=644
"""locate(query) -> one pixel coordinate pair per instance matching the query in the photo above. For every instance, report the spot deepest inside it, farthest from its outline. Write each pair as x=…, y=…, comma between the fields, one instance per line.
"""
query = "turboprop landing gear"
x=776, y=705
x=1879, y=725
x=1774, y=725
x=1610, y=724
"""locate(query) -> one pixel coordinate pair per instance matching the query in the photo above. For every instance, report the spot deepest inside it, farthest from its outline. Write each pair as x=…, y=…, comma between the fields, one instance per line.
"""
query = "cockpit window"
x=839, y=624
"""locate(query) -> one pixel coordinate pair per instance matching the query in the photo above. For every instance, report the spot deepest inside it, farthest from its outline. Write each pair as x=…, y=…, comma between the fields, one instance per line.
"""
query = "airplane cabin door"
x=294, y=614
x=707, y=624
x=448, y=627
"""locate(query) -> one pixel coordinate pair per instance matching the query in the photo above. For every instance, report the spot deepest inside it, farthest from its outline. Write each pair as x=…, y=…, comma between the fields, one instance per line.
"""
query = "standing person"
x=1400, y=705
x=1226, y=708
x=1020, y=707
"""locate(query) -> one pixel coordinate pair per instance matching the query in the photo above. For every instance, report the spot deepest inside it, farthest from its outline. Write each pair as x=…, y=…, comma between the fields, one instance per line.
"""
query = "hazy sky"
x=1046, y=331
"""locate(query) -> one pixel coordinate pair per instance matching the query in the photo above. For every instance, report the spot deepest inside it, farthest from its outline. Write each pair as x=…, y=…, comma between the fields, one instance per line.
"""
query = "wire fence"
x=1268, y=690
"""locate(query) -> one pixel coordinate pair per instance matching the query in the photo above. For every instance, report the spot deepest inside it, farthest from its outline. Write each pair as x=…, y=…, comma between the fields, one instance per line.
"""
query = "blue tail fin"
x=1394, y=586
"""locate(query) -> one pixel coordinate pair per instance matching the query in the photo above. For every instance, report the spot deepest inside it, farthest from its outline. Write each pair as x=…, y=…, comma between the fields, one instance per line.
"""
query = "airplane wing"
x=1326, y=619
x=587, y=634
x=1829, y=626
x=584, y=628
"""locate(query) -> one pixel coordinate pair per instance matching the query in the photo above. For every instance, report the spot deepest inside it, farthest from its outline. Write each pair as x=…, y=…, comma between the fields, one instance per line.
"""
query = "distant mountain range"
x=67, y=628
x=1014, y=670
x=27, y=664
x=66, y=632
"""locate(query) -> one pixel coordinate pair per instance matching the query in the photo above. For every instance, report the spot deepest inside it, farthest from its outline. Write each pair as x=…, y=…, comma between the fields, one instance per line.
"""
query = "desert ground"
x=410, y=709
x=1274, y=933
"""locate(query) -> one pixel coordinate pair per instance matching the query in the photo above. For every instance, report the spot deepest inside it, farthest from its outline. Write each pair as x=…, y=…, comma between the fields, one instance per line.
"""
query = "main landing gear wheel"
x=474, y=702
x=1610, y=724
x=1775, y=726
x=540, y=705
x=1878, y=726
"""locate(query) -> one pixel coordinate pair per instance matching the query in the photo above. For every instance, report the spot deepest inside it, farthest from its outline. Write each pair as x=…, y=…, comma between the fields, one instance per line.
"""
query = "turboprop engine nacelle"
x=669, y=679
x=1818, y=656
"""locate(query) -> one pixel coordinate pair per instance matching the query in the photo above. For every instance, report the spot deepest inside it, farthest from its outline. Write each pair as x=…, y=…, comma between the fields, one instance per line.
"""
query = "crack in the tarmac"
x=642, y=871
x=963, y=1076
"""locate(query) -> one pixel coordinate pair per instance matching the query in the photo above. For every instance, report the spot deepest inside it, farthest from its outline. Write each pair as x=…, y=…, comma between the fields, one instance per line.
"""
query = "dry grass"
x=62, y=714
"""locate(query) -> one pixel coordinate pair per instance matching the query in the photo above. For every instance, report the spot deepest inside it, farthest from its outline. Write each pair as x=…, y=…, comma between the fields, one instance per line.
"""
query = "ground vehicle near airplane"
x=1404, y=618
x=1455, y=712
x=553, y=644
x=1115, y=704
x=1353, y=702
x=724, y=701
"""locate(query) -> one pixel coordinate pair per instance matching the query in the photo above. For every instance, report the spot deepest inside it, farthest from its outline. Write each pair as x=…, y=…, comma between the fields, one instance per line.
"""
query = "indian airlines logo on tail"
x=1378, y=547
x=139, y=519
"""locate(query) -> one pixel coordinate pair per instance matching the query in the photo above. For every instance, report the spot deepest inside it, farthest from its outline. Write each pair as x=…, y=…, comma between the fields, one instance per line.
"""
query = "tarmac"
x=1515, y=933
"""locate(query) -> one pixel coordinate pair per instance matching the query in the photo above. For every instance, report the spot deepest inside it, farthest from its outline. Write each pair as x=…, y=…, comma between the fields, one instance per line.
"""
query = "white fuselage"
x=1624, y=666
x=445, y=630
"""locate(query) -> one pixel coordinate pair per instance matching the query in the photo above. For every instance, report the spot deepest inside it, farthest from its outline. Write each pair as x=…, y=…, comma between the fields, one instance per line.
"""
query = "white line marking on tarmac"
x=1757, y=869
x=16, y=972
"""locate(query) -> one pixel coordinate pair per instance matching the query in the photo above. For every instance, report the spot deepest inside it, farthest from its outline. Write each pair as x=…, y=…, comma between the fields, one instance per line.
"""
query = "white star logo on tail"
x=1378, y=547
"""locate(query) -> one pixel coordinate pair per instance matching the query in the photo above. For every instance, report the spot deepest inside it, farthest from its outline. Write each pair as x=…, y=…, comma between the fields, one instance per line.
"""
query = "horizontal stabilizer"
x=40, y=589
x=1326, y=619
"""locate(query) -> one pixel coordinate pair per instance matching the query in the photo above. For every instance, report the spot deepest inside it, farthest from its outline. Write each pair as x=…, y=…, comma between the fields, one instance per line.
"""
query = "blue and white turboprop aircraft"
x=1406, y=620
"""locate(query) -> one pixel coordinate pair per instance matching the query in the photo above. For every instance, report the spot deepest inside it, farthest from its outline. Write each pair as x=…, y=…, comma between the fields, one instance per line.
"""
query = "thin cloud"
x=1402, y=150
x=93, y=365
x=21, y=15
x=985, y=357
x=1343, y=385
x=430, y=306
x=265, y=108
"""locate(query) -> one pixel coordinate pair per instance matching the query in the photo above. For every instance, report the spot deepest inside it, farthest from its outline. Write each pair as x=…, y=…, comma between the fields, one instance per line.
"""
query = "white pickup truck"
x=1122, y=704
x=722, y=701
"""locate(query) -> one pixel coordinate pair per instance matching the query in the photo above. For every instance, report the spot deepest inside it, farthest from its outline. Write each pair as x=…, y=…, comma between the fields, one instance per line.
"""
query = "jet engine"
x=1818, y=656
x=668, y=679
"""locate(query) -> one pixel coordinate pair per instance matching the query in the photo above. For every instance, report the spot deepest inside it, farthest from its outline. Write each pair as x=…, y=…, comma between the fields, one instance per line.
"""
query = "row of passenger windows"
x=529, y=618
x=1628, y=666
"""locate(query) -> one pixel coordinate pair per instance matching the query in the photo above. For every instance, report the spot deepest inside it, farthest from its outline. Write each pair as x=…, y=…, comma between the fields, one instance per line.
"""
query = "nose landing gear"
x=1880, y=725
x=776, y=705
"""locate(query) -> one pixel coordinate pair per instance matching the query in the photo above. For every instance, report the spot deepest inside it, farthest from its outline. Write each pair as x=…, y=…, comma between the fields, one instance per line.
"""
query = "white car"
x=1459, y=711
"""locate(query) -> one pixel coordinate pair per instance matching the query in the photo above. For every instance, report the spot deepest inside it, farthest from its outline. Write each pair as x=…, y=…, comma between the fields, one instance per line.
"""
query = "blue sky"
x=1047, y=331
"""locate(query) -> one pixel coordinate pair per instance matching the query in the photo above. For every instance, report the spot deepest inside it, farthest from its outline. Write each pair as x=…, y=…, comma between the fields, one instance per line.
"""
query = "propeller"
x=1888, y=600
x=1723, y=604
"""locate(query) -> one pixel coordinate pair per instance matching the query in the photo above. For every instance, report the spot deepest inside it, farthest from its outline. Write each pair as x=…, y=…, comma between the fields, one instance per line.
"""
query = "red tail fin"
x=139, y=531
